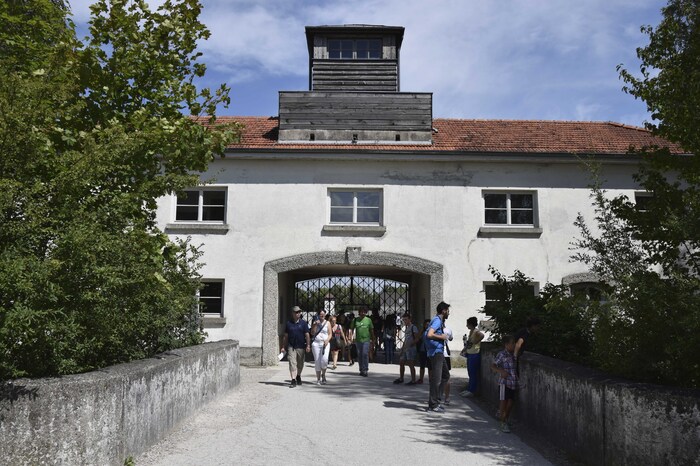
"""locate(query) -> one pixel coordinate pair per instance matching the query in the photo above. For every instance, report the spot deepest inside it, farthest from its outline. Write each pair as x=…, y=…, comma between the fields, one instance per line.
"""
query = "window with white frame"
x=348, y=206
x=510, y=208
x=211, y=298
x=201, y=205
x=355, y=49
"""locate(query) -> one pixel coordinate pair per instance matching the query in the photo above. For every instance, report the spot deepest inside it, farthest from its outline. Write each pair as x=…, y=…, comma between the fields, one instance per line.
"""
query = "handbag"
x=335, y=345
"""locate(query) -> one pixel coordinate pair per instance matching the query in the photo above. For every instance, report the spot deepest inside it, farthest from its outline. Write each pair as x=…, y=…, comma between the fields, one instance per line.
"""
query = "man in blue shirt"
x=439, y=374
x=296, y=342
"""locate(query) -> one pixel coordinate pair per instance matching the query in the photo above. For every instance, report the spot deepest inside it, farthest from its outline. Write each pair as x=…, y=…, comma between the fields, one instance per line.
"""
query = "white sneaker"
x=318, y=382
x=466, y=394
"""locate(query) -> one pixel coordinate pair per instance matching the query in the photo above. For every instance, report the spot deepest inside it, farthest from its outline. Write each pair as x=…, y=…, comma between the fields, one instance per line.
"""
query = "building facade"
x=356, y=188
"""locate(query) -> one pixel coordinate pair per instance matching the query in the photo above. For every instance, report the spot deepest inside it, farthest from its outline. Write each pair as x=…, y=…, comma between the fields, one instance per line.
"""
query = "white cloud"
x=481, y=59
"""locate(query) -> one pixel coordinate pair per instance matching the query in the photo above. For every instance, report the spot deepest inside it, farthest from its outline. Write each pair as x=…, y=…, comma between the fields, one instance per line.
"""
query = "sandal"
x=399, y=380
x=411, y=383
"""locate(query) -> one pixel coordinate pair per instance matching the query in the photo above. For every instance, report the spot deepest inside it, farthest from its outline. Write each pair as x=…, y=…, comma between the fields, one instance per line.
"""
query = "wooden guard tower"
x=354, y=95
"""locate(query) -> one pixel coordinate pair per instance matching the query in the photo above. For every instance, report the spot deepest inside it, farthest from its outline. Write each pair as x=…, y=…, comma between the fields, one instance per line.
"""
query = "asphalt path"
x=352, y=420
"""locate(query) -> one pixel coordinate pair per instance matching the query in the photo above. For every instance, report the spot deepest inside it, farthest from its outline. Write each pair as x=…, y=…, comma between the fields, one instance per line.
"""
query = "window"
x=513, y=209
x=211, y=298
x=495, y=293
x=203, y=205
x=588, y=291
x=360, y=49
x=356, y=206
x=642, y=200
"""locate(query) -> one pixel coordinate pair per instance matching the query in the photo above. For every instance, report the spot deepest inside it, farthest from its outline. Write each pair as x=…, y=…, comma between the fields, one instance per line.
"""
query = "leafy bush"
x=644, y=333
x=567, y=321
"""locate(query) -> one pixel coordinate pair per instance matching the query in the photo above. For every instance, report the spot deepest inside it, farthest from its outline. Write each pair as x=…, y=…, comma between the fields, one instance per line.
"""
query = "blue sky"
x=481, y=59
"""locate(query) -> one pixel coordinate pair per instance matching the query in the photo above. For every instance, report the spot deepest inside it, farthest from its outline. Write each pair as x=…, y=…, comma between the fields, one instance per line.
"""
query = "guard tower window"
x=351, y=49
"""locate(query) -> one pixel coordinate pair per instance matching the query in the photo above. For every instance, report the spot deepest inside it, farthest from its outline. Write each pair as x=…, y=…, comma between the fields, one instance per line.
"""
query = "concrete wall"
x=105, y=416
x=601, y=420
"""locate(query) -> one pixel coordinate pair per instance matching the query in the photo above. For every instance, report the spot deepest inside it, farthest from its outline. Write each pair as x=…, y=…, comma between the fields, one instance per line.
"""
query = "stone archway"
x=352, y=256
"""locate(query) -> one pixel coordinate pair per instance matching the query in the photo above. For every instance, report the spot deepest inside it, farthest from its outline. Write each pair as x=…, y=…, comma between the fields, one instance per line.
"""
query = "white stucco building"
x=357, y=179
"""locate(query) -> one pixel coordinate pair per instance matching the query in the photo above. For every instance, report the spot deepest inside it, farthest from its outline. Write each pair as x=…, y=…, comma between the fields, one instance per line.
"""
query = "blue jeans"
x=388, y=351
x=473, y=369
x=363, y=356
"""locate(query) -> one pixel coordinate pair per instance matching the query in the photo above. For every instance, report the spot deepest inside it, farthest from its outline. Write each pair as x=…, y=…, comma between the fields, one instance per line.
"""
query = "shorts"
x=409, y=354
x=505, y=393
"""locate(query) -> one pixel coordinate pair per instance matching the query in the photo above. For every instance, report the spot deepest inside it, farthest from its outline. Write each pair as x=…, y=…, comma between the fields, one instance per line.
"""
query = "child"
x=504, y=364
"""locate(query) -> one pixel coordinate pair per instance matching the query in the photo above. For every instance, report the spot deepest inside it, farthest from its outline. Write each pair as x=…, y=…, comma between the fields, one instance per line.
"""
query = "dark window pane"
x=346, y=49
x=211, y=298
x=213, y=213
x=210, y=305
x=491, y=292
x=188, y=198
x=496, y=216
x=367, y=215
x=368, y=199
x=214, y=197
x=521, y=217
x=375, y=48
x=521, y=201
x=186, y=213
x=341, y=214
x=211, y=290
x=362, y=48
x=341, y=198
x=495, y=201
x=642, y=202
x=333, y=49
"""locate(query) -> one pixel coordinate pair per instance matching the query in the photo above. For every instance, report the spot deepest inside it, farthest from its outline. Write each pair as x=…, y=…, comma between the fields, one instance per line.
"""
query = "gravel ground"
x=353, y=420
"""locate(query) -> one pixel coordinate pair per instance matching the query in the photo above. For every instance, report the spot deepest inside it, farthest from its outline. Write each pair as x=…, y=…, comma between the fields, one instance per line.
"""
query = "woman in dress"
x=339, y=342
x=321, y=332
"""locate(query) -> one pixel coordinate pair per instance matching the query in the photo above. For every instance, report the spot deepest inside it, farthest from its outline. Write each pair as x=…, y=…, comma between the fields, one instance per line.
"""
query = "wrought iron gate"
x=347, y=294
x=338, y=295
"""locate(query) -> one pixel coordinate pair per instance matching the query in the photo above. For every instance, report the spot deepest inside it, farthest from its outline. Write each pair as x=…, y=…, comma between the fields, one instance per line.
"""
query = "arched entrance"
x=425, y=278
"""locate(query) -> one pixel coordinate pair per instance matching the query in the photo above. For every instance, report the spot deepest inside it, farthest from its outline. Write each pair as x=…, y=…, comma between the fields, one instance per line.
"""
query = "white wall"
x=432, y=210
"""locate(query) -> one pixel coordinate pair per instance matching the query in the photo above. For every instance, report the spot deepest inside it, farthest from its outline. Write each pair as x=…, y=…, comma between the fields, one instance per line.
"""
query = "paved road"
x=351, y=421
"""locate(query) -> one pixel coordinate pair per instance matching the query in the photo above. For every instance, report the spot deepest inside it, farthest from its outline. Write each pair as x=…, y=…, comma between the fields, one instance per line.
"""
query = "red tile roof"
x=476, y=136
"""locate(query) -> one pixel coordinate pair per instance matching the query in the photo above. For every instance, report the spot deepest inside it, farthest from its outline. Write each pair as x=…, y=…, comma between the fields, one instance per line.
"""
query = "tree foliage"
x=670, y=86
x=92, y=133
x=567, y=329
x=650, y=258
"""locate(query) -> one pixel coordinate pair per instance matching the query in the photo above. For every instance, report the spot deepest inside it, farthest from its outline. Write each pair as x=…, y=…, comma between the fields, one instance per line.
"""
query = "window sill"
x=198, y=228
x=213, y=322
x=509, y=232
x=354, y=230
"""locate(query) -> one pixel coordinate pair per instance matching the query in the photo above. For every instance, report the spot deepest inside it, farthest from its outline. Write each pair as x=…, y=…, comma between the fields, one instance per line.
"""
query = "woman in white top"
x=321, y=332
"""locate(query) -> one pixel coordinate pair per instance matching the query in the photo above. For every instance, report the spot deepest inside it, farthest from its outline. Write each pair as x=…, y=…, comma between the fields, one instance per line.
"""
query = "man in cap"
x=296, y=342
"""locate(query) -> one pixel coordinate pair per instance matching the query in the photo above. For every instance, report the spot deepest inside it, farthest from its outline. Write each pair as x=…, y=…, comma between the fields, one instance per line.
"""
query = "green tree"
x=650, y=258
x=91, y=135
x=670, y=86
